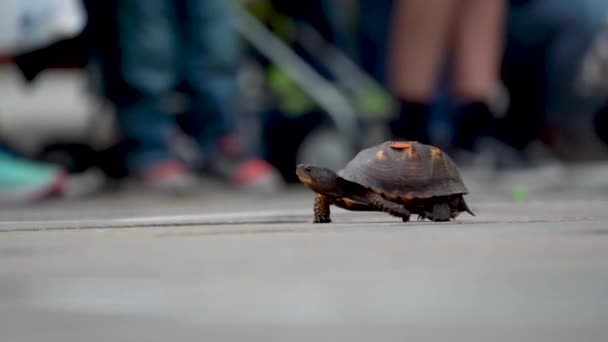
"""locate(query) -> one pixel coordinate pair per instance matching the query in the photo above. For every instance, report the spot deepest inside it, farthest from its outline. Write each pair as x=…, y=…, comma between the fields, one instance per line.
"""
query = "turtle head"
x=318, y=179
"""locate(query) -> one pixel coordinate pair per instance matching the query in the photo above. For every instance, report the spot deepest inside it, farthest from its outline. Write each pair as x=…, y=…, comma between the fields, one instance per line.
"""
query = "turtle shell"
x=405, y=170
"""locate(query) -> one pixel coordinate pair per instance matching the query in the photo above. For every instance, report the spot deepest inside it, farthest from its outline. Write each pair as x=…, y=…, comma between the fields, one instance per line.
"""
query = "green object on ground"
x=520, y=194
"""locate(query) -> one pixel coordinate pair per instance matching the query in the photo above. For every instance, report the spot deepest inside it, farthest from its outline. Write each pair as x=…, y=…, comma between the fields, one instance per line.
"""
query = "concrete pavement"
x=239, y=267
x=227, y=266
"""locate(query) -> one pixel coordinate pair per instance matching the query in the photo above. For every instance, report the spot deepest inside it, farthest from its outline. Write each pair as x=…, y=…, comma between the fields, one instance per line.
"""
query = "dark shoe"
x=600, y=124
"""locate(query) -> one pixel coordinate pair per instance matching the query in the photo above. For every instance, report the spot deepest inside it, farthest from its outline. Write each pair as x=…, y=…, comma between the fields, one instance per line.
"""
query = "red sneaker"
x=232, y=164
x=170, y=176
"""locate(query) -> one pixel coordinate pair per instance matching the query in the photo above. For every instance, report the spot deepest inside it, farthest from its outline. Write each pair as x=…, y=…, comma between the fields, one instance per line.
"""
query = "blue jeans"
x=557, y=33
x=166, y=45
x=374, y=17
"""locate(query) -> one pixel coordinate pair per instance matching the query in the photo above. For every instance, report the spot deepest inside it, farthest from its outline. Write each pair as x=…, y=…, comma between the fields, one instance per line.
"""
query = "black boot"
x=412, y=123
x=473, y=121
x=600, y=123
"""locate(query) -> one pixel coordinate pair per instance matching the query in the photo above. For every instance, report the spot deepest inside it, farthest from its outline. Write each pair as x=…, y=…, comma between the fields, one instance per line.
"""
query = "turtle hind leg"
x=441, y=212
x=388, y=206
x=321, y=209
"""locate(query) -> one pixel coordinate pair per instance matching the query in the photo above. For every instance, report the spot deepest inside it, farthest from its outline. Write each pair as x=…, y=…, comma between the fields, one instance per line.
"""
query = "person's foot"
x=24, y=182
x=600, y=124
x=169, y=176
x=231, y=163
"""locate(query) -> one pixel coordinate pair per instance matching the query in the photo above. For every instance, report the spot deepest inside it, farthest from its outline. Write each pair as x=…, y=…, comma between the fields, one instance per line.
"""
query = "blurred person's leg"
x=418, y=41
x=577, y=25
x=373, y=21
x=147, y=47
x=478, y=48
x=477, y=51
x=527, y=36
x=566, y=31
x=210, y=57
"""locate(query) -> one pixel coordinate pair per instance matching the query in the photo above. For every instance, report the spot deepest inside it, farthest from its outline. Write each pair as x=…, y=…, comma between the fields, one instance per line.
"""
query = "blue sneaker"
x=24, y=182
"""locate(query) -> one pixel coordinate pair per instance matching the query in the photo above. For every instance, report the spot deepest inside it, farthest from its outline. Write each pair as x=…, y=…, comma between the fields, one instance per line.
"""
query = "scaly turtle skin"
x=397, y=177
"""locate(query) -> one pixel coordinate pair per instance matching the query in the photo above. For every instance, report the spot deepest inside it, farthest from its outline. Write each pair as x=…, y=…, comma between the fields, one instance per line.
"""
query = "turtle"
x=400, y=178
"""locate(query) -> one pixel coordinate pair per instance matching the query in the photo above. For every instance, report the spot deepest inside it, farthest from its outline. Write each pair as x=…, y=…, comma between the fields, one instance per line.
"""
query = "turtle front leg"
x=321, y=209
x=388, y=206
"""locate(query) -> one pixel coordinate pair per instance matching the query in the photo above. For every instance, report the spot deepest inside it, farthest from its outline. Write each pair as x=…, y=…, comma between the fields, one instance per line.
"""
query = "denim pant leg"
x=209, y=60
x=374, y=21
x=568, y=107
x=147, y=45
x=568, y=29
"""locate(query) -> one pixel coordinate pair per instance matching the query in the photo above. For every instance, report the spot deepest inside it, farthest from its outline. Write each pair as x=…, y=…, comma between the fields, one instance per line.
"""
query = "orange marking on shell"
x=435, y=153
x=409, y=152
x=406, y=147
x=380, y=155
x=401, y=145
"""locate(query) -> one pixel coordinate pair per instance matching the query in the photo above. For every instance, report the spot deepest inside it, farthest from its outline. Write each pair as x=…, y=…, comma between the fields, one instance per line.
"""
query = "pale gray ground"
x=243, y=267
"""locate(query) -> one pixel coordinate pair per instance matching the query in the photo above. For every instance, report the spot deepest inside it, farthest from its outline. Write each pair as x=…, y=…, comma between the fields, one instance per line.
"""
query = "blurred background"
x=163, y=94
